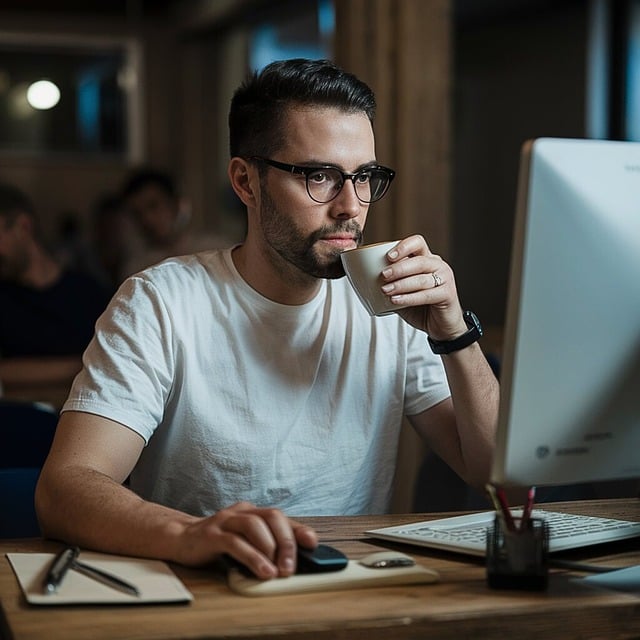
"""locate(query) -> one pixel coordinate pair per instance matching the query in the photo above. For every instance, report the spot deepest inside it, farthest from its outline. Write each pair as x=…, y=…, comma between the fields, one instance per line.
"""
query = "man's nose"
x=346, y=204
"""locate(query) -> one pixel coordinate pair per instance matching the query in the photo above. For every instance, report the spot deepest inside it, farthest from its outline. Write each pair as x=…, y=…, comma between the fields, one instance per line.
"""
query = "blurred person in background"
x=71, y=248
x=114, y=239
x=163, y=217
x=47, y=312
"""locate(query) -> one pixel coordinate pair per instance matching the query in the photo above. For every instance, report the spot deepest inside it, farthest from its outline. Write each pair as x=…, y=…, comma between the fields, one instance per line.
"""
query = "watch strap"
x=442, y=347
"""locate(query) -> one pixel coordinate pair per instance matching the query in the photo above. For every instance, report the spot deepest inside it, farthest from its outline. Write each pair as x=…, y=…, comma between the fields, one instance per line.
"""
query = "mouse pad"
x=354, y=576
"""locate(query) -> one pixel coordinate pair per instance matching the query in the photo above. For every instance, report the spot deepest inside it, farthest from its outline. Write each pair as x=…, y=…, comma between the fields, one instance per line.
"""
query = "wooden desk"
x=459, y=606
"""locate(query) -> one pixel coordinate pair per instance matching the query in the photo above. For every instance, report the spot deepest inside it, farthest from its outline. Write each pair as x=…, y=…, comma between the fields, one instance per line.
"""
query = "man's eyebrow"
x=319, y=163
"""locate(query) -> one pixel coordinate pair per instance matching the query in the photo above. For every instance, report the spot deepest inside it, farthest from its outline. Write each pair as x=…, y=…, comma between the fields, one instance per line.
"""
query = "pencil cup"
x=518, y=559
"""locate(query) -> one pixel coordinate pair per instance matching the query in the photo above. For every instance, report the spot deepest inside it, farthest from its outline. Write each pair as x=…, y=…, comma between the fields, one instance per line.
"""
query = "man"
x=47, y=313
x=254, y=374
x=163, y=218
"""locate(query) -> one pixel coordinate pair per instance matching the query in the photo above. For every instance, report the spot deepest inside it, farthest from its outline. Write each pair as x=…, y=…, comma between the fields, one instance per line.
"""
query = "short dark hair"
x=145, y=176
x=259, y=105
x=13, y=202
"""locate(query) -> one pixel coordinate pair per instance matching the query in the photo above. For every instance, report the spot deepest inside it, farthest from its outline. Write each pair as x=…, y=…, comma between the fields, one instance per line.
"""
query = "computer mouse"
x=322, y=559
x=387, y=560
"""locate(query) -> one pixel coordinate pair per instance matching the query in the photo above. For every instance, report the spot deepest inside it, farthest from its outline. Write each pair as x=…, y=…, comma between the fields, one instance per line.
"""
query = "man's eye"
x=363, y=177
x=319, y=177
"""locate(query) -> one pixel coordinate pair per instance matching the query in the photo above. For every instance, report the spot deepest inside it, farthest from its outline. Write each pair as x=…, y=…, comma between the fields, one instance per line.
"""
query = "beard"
x=301, y=251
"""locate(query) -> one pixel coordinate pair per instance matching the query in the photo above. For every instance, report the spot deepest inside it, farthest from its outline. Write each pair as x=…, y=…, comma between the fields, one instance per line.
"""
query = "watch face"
x=472, y=320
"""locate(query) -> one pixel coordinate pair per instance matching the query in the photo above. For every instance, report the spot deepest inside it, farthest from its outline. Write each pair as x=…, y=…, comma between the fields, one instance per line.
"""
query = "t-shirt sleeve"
x=128, y=367
x=426, y=382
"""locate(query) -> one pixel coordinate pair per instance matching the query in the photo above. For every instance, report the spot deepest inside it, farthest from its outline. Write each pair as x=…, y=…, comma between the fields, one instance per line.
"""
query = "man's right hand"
x=262, y=539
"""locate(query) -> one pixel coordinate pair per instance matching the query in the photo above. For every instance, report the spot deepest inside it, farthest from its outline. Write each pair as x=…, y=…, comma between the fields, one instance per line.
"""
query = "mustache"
x=352, y=228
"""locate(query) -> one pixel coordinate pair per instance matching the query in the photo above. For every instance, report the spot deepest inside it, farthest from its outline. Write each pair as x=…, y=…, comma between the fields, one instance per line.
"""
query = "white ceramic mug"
x=364, y=266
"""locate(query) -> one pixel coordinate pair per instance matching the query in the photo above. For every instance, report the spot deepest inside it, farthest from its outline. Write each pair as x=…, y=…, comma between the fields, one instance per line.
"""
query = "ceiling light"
x=43, y=94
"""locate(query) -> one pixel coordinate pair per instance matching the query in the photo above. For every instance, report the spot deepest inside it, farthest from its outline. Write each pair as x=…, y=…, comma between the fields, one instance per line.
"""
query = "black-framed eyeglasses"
x=324, y=183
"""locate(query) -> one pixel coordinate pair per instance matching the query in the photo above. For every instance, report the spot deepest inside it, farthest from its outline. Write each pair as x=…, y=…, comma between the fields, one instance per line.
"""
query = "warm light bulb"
x=43, y=94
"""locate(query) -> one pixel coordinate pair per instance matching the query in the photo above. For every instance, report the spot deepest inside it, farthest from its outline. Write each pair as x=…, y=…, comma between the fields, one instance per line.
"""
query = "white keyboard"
x=467, y=534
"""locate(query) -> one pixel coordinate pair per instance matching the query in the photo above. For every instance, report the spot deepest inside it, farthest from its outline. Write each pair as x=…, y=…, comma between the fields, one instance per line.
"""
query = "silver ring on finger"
x=437, y=280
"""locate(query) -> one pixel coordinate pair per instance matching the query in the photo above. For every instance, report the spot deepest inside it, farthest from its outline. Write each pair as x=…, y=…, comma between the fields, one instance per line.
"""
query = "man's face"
x=298, y=230
x=14, y=248
x=155, y=212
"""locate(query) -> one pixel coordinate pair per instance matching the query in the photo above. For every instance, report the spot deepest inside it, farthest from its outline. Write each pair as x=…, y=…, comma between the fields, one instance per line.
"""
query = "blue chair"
x=26, y=433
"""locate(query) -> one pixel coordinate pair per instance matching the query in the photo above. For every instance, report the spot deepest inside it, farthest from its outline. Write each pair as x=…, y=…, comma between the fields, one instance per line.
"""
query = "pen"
x=59, y=568
x=526, y=512
x=491, y=490
x=105, y=578
x=67, y=559
x=504, y=507
x=494, y=499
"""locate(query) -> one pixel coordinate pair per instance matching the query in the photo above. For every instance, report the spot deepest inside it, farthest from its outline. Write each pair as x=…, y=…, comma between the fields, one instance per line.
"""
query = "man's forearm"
x=84, y=507
x=87, y=508
x=476, y=395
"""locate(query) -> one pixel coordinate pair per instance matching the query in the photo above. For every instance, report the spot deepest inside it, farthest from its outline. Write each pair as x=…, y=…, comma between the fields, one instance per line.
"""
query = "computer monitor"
x=570, y=376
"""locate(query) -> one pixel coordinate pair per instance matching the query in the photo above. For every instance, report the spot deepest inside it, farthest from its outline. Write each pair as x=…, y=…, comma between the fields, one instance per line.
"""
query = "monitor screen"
x=570, y=377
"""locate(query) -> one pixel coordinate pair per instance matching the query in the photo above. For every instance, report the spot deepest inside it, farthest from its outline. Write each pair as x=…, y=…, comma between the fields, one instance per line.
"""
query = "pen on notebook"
x=59, y=568
x=105, y=578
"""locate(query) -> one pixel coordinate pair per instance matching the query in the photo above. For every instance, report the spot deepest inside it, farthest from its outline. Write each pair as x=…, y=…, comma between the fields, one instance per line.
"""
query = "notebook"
x=155, y=580
x=467, y=533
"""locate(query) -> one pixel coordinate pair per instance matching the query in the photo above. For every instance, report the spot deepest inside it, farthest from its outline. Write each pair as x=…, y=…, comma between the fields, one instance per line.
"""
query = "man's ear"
x=245, y=180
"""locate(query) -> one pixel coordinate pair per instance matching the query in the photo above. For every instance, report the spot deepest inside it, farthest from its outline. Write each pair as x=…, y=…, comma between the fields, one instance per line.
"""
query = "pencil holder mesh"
x=517, y=559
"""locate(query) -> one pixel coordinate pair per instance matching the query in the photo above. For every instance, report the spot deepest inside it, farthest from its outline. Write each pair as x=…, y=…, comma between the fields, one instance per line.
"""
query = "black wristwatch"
x=474, y=334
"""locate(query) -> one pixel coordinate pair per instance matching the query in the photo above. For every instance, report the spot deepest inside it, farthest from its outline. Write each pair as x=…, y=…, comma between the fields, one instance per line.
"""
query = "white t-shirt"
x=242, y=398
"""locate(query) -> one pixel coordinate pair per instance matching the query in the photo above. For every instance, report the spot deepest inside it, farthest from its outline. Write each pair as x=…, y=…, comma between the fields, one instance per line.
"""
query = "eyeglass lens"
x=325, y=184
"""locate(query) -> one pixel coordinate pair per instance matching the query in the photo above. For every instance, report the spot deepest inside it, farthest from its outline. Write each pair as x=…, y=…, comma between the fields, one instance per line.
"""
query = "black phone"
x=322, y=558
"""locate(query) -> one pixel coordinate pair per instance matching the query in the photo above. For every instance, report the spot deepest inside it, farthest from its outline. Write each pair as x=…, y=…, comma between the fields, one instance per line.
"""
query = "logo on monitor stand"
x=542, y=451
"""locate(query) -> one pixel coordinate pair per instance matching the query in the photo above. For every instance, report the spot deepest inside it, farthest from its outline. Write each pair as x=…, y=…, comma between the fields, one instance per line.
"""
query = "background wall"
x=518, y=74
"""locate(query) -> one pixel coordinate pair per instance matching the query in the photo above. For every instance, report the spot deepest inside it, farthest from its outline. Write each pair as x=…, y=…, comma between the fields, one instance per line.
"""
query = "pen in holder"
x=517, y=554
